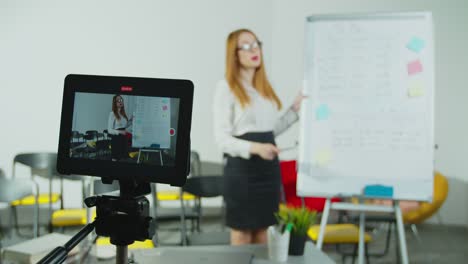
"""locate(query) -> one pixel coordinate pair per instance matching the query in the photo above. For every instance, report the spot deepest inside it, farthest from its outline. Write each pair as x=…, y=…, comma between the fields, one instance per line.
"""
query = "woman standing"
x=246, y=122
x=117, y=126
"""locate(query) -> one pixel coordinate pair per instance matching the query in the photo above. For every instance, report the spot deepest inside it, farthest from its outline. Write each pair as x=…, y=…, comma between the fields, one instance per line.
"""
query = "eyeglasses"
x=251, y=46
x=119, y=100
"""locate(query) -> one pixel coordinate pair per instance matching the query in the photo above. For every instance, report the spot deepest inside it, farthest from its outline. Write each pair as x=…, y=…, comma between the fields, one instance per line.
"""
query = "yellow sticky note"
x=323, y=157
x=416, y=89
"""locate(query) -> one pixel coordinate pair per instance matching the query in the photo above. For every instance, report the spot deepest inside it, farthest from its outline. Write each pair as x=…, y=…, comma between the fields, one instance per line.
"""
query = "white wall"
x=42, y=41
x=91, y=111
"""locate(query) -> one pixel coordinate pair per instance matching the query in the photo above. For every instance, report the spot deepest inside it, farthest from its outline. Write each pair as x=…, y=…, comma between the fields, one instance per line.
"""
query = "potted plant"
x=301, y=218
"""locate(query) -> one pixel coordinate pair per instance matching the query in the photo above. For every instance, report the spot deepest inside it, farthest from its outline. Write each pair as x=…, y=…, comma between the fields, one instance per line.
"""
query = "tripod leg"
x=122, y=255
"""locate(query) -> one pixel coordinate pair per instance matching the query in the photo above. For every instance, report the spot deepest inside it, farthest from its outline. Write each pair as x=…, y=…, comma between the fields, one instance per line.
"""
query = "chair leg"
x=367, y=253
x=7, y=231
x=414, y=229
x=14, y=215
x=387, y=242
x=1, y=233
x=389, y=237
x=354, y=253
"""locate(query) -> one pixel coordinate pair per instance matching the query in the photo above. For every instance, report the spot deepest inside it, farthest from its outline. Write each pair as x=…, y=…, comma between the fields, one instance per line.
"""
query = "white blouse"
x=113, y=124
x=231, y=120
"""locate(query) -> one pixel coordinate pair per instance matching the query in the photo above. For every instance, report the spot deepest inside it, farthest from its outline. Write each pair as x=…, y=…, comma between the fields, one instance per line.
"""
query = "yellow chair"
x=105, y=250
x=428, y=209
x=174, y=195
x=66, y=217
x=147, y=244
x=69, y=217
x=340, y=234
x=425, y=210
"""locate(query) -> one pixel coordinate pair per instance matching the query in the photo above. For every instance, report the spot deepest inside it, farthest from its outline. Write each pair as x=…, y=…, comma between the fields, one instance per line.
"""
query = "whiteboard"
x=151, y=124
x=369, y=116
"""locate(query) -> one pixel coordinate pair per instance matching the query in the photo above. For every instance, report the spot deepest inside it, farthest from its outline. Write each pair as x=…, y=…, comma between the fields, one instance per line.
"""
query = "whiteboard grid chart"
x=369, y=116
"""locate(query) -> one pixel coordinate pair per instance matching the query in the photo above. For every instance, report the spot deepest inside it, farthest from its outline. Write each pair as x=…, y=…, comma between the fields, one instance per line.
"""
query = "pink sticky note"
x=164, y=107
x=414, y=67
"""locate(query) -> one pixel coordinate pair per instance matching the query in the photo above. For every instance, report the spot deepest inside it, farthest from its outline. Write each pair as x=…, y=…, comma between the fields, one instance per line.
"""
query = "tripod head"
x=123, y=218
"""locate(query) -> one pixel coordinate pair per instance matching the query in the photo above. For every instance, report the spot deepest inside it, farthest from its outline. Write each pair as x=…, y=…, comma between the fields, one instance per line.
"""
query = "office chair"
x=66, y=217
x=207, y=186
x=91, y=137
x=164, y=214
x=15, y=189
x=103, y=144
x=42, y=165
x=77, y=144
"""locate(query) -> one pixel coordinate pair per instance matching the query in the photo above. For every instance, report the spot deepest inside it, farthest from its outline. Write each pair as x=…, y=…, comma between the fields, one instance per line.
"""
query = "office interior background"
x=43, y=41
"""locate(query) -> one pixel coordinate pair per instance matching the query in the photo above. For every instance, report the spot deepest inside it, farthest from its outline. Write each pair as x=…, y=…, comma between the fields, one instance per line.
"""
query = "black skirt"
x=252, y=187
x=119, y=146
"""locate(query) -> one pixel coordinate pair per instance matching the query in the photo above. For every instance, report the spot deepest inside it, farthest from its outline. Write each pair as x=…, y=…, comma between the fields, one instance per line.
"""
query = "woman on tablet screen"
x=246, y=121
x=117, y=126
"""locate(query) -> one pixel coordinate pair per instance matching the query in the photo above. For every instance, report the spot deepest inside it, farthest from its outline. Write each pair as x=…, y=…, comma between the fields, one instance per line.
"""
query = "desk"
x=311, y=254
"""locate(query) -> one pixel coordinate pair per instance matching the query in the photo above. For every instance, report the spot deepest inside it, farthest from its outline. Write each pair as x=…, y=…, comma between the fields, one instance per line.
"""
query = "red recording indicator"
x=126, y=88
x=171, y=132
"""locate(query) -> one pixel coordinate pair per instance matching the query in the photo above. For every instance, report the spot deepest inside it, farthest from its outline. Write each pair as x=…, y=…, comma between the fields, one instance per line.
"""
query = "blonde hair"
x=260, y=80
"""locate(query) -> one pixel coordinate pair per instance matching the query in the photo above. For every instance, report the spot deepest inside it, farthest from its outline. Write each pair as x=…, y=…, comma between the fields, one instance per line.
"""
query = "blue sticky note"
x=322, y=112
x=378, y=190
x=416, y=44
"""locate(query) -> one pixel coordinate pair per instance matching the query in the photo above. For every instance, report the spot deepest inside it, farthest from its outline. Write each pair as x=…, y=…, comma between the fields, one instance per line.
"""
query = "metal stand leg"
x=362, y=227
x=323, y=223
x=401, y=233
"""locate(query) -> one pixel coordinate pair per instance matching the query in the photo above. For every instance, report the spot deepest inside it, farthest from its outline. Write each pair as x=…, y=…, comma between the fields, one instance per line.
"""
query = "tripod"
x=124, y=218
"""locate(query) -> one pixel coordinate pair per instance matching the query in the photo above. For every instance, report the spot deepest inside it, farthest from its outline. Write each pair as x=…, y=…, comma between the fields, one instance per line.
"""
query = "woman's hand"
x=297, y=102
x=123, y=132
x=265, y=151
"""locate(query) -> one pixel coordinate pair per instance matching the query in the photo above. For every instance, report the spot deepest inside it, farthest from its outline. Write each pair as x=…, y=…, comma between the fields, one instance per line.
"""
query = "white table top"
x=311, y=253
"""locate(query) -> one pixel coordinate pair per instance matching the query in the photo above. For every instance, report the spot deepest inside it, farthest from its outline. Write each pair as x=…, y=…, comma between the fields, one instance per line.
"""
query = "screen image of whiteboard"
x=152, y=122
x=369, y=116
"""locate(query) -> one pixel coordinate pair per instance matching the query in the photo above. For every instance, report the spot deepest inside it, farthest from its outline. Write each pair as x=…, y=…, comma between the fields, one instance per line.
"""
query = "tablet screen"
x=125, y=128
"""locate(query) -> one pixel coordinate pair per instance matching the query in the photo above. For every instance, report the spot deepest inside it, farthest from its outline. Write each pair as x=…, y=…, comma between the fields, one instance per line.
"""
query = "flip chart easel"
x=369, y=119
